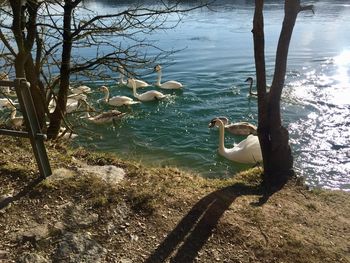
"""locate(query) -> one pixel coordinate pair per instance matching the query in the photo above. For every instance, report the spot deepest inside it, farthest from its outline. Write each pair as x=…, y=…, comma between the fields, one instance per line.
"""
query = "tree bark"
x=24, y=65
x=273, y=137
x=30, y=67
x=60, y=110
x=17, y=30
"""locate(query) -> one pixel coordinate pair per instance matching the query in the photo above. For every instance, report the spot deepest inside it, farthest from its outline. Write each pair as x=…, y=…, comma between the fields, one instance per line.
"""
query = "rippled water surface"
x=217, y=57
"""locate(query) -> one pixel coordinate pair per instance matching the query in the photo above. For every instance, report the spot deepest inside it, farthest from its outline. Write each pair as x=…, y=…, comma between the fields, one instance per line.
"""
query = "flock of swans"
x=247, y=151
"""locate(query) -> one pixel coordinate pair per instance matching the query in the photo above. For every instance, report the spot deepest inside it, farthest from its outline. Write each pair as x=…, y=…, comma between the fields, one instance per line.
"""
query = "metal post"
x=31, y=121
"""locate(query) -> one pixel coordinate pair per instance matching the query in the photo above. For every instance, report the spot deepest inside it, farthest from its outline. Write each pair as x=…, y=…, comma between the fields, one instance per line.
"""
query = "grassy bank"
x=165, y=214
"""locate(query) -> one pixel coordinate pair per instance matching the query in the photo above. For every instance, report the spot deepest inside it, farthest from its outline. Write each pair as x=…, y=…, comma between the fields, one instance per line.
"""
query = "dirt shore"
x=154, y=214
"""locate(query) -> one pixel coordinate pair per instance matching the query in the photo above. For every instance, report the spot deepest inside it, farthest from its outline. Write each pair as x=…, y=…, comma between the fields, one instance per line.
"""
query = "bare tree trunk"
x=259, y=54
x=273, y=137
x=38, y=97
x=60, y=110
x=32, y=77
x=24, y=65
x=17, y=29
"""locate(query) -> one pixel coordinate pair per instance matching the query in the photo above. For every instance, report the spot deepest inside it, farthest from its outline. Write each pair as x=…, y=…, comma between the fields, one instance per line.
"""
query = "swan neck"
x=134, y=88
x=13, y=114
x=106, y=98
x=250, y=87
x=121, y=77
x=159, y=78
x=221, y=137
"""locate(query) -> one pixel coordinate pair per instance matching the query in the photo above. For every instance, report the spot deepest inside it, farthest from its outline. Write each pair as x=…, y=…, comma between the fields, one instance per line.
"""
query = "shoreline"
x=156, y=214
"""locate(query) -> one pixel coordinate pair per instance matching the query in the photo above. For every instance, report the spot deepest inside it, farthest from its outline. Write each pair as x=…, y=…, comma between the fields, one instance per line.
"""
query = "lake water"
x=216, y=58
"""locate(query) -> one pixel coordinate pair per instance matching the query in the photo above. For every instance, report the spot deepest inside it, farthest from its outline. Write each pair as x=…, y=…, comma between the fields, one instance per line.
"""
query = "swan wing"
x=121, y=100
x=81, y=89
x=248, y=150
x=241, y=128
x=72, y=105
x=159, y=95
x=171, y=84
x=106, y=117
x=77, y=96
x=138, y=84
x=151, y=95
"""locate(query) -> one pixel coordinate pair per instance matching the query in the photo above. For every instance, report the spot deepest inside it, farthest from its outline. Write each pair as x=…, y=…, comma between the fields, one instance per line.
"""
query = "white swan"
x=121, y=80
x=116, y=100
x=15, y=122
x=171, y=84
x=237, y=128
x=72, y=105
x=72, y=102
x=247, y=151
x=77, y=96
x=5, y=103
x=250, y=80
x=139, y=83
x=148, y=95
x=80, y=89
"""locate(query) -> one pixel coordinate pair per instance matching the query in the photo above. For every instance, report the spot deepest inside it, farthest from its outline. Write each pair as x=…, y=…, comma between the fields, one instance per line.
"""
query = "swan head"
x=249, y=79
x=215, y=121
x=8, y=105
x=132, y=82
x=103, y=88
x=157, y=68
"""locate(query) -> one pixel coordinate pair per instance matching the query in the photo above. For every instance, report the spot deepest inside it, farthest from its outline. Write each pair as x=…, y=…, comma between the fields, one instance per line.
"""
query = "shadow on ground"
x=26, y=190
x=186, y=240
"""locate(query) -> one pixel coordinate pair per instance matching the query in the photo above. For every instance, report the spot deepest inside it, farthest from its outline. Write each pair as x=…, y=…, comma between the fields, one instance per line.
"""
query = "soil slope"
x=159, y=214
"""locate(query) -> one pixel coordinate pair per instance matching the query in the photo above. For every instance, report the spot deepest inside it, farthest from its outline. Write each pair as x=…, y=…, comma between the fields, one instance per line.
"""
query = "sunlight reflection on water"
x=323, y=135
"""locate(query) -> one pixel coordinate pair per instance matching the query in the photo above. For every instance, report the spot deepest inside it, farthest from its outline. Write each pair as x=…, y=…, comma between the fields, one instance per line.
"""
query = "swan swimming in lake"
x=80, y=89
x=4, y=103
x=171, y=84
x=247, y=151
x=102, y=118
x=72, y=104
x=237, y=128
x=105, y=117
x=148, y=95
x=77, y=96
x=139, y=83
x=116, y=100
x=15, y=122
x=121, y=80
x=250, y=80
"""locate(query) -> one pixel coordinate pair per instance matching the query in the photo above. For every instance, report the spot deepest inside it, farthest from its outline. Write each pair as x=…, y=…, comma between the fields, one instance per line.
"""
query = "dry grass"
x=175, y=215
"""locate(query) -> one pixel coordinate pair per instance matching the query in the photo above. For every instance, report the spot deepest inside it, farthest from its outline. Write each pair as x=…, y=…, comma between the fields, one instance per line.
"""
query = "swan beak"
x=212, y=123
x=157, y=68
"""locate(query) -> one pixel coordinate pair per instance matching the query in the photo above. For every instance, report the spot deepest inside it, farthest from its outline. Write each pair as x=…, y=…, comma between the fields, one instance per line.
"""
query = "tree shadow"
x=27, y=189
x=192, y=232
